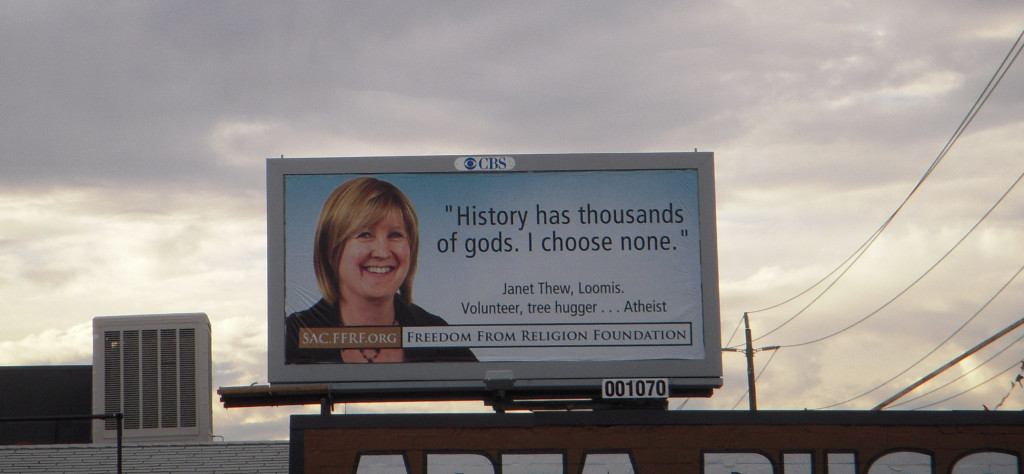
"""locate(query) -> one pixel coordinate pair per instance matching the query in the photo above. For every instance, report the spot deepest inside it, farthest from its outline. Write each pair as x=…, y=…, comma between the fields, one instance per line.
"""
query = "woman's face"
x=375, y=260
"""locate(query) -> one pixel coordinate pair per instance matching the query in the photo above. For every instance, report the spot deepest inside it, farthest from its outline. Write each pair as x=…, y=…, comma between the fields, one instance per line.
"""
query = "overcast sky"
x=134, y=137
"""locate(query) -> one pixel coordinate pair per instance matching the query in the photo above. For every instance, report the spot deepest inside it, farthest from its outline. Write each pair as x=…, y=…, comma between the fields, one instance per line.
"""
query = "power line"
x=936, y=348
x=736, y=329
x=965, y=374
x=1013, y=385
x=851, y=260
x=949, y=364
x=860, y=252
x=972, y=388
x=997, y=77
x=923, y=275
x=1007, y=62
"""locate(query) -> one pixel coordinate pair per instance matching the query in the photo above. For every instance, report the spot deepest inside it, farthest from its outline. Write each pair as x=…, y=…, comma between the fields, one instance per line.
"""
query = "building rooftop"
x=224, y=457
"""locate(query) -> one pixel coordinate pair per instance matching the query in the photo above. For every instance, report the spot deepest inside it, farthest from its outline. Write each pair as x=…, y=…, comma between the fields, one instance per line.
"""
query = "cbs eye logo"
x=485, y=163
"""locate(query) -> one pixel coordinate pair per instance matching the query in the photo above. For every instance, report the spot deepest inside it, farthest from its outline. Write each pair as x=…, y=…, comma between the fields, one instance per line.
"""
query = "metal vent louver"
x=150, y=376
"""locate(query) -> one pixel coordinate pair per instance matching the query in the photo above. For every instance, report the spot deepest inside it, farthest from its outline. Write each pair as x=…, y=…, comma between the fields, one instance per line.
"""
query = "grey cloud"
x=97, y=92
x=822, y=117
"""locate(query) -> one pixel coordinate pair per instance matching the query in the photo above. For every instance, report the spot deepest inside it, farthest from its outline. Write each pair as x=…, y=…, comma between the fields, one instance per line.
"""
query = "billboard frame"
x=480, y=380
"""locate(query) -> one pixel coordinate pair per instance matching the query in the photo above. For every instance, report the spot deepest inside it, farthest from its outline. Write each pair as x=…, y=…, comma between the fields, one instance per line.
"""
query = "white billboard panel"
x=408, y=274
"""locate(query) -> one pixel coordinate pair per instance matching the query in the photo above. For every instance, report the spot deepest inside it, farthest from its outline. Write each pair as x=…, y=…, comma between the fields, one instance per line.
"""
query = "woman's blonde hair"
x=357, y=204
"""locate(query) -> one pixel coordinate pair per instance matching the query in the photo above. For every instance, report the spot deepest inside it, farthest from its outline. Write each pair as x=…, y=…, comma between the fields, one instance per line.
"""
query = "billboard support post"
x=326, y=405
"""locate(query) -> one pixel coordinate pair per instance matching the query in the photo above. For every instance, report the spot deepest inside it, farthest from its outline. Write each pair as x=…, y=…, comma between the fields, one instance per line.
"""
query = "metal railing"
x=101, y=416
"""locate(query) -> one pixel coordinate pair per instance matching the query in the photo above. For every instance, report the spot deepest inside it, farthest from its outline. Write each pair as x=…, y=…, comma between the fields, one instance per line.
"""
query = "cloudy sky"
x=134, y=137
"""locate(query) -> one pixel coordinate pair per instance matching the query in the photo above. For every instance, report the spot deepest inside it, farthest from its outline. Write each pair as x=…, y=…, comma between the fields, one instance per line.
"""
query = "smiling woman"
x=364, y=257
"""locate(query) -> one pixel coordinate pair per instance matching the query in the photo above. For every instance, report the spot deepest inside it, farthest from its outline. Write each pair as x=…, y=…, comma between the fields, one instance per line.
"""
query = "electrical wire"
x=1008, y=61
x=856, y=254
x=734, y=331
x=863, y=249
x=993, y=82
x=1016, y=381
x=965, y=374
x=936, y=348
x=851, y=260
x=972, y=388
x=923, y=275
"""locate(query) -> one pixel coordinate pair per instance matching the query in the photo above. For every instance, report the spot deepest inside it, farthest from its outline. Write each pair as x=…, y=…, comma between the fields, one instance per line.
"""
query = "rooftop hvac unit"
x=156, y=371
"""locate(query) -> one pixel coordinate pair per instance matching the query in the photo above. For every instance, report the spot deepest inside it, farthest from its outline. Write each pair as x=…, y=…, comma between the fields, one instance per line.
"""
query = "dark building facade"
x=40, y=392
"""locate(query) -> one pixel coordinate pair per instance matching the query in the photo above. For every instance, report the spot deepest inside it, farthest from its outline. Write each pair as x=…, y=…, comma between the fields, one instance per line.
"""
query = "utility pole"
x=751, y=379
x=749, y=351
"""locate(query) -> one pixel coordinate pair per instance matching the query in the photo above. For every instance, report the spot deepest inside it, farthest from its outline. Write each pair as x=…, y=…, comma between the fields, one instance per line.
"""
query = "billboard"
x=430, y=275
